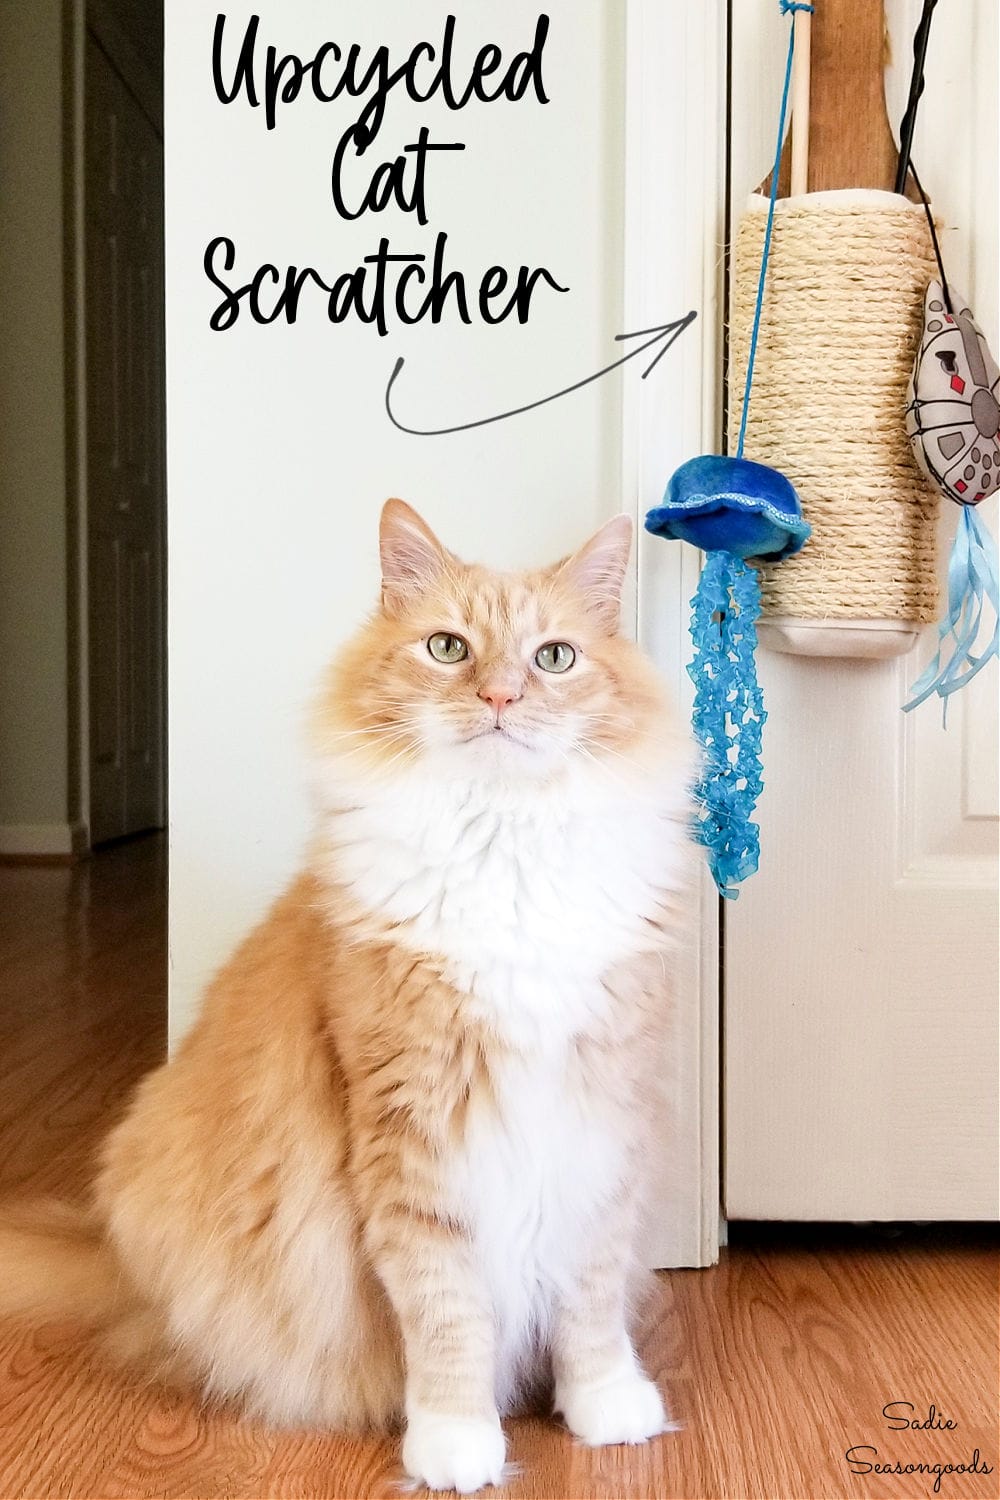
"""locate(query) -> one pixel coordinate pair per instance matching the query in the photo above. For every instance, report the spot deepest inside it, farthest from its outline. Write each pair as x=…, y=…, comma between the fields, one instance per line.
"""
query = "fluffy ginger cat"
x=393, y=1173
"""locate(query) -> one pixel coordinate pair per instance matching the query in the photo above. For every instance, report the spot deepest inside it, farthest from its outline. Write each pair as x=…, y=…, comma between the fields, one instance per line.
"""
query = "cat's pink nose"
x=499, y=698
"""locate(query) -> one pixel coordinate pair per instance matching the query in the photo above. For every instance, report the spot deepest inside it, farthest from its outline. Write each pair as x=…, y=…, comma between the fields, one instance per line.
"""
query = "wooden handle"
x=801, y=62
x=850, y=143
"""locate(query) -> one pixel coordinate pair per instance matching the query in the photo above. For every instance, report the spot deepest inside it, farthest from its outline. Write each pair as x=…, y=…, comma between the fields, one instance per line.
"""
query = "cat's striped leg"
x=453, y=1438
x=601, y=1388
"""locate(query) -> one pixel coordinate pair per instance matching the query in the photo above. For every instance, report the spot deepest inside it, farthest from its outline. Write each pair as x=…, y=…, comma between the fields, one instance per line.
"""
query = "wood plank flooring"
x=777, y=1361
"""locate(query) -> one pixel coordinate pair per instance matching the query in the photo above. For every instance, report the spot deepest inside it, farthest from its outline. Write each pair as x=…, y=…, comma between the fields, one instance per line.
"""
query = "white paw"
x=625, y=1409
x=453, y=1453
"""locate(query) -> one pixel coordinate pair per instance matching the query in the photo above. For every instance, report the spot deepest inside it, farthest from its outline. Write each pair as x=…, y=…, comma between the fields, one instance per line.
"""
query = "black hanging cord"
x=920, y=39
x=934, y=238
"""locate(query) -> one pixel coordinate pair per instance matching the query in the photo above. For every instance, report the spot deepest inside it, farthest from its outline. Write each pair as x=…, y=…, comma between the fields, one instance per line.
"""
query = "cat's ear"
x=412, y=556
x=597, y=570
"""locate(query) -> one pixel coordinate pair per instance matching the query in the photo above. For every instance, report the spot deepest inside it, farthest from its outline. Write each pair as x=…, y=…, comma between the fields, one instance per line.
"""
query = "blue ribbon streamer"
x=972, y=584
x=728, y=716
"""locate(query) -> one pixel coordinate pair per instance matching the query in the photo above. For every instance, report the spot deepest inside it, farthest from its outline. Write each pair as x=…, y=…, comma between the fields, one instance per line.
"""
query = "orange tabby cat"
x=392, y=1174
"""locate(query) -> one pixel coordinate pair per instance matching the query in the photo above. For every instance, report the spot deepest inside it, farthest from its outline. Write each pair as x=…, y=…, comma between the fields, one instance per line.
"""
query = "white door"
x=123, y=195
x=861, y=1021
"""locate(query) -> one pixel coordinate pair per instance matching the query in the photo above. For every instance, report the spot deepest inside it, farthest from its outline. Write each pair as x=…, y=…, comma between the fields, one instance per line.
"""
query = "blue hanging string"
x=787, y=6
x=728, y=714
x=972, y=584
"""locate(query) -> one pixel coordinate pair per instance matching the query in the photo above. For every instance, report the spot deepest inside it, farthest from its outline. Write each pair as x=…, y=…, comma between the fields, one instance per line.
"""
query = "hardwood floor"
x=777, y=1361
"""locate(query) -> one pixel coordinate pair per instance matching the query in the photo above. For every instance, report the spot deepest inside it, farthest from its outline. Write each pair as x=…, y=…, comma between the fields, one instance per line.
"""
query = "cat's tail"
x=55, y=1264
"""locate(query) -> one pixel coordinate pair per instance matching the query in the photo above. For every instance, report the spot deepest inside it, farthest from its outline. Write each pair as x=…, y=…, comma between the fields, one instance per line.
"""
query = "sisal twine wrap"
x=841, y=321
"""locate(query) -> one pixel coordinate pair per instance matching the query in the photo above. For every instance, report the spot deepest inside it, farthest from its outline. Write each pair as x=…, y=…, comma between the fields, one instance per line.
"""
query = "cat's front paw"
x=624, y=1409
x=453, y=1453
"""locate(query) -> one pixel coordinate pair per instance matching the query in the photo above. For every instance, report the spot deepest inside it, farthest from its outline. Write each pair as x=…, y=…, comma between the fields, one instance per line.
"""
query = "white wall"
x=279, y=451
x=280, y=454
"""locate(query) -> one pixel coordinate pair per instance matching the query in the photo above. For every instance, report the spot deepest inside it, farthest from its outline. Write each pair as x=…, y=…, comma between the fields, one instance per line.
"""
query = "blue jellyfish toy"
x=733, y=510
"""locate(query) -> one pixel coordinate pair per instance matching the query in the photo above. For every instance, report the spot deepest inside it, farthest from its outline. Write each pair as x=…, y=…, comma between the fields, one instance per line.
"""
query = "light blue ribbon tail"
x=728, y=717
x=973, y=590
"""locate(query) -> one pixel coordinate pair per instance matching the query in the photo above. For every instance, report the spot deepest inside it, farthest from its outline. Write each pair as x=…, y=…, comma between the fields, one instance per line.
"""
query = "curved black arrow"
x=666, y=334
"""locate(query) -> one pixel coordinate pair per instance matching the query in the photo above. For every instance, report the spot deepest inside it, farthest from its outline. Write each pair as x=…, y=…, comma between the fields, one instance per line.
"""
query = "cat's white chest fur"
x=529, y=896
x=537, y=1174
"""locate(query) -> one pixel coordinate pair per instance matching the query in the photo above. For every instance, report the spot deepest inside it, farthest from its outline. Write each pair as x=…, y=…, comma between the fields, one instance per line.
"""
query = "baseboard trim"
x=60, y=843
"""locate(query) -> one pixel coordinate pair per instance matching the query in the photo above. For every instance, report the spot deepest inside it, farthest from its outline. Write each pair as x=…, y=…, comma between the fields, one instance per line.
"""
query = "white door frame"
x=675, y=197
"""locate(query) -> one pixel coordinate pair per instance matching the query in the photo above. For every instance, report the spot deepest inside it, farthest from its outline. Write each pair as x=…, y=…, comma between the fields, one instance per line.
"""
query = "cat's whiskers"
x=379, y=739
x=383, y=763
x=381, y=725
x=370, y=730
x=597, y=747
x=611, y=772
x=620, y=721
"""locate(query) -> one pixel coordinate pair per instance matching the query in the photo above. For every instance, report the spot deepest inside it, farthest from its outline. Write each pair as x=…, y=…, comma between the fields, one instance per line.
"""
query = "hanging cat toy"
x=953, y=422
x=733, y=509
x=867, y=582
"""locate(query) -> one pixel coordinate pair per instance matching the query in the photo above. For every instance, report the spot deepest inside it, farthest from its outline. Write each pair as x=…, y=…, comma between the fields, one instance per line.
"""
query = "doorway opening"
x=82, y=503
x=121, y=447
x=82, y=620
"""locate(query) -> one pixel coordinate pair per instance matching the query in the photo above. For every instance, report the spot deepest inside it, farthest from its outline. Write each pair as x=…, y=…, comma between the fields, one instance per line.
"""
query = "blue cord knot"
x=793, y=5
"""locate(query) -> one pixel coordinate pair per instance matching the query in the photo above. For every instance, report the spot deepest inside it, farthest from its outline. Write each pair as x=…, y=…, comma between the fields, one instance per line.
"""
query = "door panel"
x=980, y=766
x=106, y=682
x=861, y=1016
x=123, y=217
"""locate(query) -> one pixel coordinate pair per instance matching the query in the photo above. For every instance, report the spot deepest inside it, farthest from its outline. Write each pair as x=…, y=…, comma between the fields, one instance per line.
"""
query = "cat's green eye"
x=557, y=656
x=446, y=647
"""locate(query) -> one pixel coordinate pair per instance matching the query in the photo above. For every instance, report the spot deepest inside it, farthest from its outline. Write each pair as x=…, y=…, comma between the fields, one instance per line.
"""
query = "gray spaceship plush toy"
x=953, y=421
x=952, y=413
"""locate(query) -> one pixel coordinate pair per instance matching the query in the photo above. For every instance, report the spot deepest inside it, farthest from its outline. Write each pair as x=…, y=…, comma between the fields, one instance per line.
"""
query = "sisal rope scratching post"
x=840, y=326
